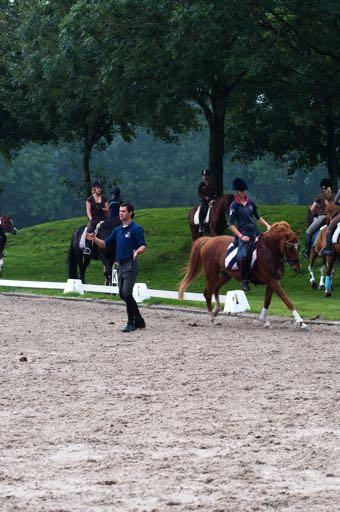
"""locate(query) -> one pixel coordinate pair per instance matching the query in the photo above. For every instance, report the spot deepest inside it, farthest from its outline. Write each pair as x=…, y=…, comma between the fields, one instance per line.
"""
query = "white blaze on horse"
x=275, y=247
x=6, y=226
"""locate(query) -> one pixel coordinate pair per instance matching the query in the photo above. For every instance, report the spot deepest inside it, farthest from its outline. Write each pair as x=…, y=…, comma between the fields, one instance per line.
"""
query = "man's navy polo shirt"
x=126, y=240
x=244, y=215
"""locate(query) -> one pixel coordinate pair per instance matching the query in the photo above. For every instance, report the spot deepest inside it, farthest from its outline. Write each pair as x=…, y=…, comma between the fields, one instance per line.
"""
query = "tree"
x=64, y=85
x=188, y=57
x=296, y=114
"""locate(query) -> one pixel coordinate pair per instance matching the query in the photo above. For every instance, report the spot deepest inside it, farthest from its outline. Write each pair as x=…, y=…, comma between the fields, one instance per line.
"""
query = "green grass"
x=39, y=253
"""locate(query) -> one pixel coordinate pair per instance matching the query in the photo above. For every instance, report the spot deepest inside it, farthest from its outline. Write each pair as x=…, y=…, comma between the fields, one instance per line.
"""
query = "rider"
x=207, y=192
x=320, y=205
x=115, y=203
x=97, y=209
x=243, y=211
x=328, y=250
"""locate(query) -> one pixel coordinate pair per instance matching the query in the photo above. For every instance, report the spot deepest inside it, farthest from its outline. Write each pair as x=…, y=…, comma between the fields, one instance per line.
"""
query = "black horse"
x=6, y=226
x=78, y=261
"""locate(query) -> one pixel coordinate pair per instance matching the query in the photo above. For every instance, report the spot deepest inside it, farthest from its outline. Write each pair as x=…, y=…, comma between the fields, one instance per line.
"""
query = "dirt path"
x=182, y=416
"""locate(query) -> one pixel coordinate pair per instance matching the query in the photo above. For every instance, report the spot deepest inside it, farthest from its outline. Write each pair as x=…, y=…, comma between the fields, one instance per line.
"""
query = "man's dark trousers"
x=127, y=275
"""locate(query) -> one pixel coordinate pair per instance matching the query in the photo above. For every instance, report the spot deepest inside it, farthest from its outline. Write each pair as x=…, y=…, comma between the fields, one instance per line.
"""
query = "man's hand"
x=90, y=236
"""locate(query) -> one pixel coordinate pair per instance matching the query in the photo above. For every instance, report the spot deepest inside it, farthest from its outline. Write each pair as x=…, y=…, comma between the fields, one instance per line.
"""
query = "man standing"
x=129, y=242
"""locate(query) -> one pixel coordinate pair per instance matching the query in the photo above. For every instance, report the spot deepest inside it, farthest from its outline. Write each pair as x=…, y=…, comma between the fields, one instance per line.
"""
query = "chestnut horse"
x=218, y=221
x=275, y=247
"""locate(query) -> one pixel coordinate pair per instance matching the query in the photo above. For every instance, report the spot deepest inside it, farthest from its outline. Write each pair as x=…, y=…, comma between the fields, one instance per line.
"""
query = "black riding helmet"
x=205, y=172
x=115, y=191
x=240, y=184
x=325, y=183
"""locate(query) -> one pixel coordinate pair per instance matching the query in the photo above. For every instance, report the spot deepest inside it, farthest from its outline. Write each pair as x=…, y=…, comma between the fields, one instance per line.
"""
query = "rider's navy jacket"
x=126, y=240
x=243, y=216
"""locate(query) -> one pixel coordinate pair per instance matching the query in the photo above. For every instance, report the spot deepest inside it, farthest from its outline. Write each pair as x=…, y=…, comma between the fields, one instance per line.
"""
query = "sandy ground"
x=181, y=416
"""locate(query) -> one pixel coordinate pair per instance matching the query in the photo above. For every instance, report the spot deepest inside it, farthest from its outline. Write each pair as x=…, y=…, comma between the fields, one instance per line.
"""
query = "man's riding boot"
x=308, y=243
x=130, y=327
x=139, y=322
x=328, y=250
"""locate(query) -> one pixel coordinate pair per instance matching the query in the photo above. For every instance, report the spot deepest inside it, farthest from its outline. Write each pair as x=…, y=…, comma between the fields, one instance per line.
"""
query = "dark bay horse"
x=6, y=226
x=77, y=261
x=218, y=221
x=275, y=247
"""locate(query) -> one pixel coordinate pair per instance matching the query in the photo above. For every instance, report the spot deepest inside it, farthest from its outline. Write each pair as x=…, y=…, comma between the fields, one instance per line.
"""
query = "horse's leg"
x=312, y=259
x=107, y=268
x=322, y=277
x=211, y=285
x=224, y=278
x=267, y=300
x=329, y=273
x=83, y=263
x=275, y=285
x=1, y=263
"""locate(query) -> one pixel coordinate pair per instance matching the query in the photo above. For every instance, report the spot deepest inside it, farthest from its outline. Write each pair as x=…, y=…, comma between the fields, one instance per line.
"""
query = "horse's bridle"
x=285, y=258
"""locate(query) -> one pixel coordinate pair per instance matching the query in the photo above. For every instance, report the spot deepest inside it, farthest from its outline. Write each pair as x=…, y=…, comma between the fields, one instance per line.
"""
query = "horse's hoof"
x=303, y=326
x=267, y=325
x=313, y=285
x=216, y=312
x=321, y=287
x=328, y=294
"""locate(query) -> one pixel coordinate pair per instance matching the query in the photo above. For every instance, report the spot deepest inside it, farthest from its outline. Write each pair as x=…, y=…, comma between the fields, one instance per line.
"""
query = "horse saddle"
x=207, y=218
x=83, y=236
x=232, y=258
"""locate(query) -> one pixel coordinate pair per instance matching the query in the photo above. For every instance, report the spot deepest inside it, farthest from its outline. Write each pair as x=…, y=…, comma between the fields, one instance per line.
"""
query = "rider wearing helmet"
x=318, y=206
x=243, y=212
x=207, y=192
x=115, y=202
x=97, y=209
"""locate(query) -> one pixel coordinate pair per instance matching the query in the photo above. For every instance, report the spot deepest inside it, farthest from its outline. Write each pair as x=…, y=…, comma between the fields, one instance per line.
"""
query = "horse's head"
x=6, y=225
x=287, y=243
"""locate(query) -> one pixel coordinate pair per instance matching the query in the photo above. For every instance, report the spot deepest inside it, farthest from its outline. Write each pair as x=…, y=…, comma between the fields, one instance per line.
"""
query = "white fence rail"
x=234, y=302
x=141, y=291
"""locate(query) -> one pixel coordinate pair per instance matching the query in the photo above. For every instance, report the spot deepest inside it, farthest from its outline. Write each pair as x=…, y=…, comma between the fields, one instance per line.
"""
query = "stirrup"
x=87, y=251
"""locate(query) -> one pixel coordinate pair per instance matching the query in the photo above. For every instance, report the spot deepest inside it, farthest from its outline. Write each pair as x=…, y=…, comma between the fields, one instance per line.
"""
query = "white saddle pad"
x=197, y=213
x=336, y=234
x=82, y=239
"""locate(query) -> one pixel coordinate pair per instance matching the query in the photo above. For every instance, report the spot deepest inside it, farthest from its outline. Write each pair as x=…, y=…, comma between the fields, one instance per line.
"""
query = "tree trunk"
x=332, y=160
x=300, y=187
x=86, y=168
x=216, y=141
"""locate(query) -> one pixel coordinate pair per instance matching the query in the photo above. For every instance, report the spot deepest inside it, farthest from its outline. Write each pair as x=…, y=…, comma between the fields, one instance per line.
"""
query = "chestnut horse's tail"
x=194, y=266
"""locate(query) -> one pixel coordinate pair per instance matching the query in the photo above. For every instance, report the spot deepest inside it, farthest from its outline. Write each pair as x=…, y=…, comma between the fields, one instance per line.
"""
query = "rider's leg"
x=244, y=265
x=202, y=215
x=91, y=227
x=316, y=224
x=328, y=250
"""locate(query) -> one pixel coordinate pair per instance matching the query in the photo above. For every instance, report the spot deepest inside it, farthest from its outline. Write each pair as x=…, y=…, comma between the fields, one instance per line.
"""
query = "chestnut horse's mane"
x=278, y=227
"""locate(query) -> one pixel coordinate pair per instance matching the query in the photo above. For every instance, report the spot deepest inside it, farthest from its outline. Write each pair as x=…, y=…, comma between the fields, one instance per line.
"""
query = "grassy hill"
x=40, y=253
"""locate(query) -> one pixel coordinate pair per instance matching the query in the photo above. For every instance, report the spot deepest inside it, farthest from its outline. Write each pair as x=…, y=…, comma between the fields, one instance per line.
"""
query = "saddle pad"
x=196, y=216
x=336, y=234
x=82, y=239
x=231, y=260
